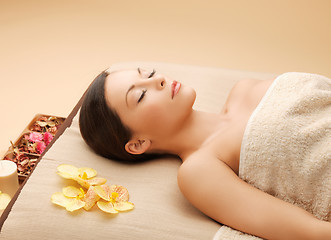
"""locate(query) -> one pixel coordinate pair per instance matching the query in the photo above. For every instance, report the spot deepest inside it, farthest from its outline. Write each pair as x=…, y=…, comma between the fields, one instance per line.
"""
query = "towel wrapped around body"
x=286, y=149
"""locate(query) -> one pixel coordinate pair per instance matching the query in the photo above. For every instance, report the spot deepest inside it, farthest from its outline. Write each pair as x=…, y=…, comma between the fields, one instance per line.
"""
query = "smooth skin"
x=209, y=145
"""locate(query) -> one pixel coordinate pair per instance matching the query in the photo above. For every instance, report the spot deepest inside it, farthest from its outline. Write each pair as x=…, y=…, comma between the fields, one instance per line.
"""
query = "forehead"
x=120, y=75
x=116, y=85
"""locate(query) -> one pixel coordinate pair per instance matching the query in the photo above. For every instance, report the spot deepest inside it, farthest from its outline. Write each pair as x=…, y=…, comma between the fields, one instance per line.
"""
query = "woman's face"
x=152, y=105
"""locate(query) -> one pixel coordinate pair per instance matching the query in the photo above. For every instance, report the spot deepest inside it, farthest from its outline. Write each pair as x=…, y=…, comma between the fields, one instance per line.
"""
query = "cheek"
x=156, y=116
x=162, y=117
x=163, y=120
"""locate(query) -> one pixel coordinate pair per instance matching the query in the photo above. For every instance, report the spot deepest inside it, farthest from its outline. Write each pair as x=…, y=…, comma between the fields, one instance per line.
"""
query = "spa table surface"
x=212, y=86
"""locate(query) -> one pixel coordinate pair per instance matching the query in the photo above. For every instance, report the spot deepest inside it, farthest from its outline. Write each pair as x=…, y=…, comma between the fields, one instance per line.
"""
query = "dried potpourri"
x=25, y=163
x=110, y=199
x=34, y=142
x=28, y=150
x=47, y=124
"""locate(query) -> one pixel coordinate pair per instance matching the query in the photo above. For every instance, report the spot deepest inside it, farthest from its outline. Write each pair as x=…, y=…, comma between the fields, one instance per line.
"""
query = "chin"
x=189, y=95
x=185, y=102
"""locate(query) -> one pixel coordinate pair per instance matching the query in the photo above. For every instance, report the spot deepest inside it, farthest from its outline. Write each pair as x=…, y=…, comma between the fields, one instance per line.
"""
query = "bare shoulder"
x=205, y=180
x=212, y=187
x=198, y=163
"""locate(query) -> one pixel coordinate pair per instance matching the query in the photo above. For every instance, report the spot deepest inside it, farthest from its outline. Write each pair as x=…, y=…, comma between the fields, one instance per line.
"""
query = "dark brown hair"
x=101, y=127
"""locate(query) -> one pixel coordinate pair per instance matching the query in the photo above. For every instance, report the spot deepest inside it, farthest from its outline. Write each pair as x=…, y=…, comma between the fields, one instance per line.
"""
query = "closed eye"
x=152, y=74
x=142, y=95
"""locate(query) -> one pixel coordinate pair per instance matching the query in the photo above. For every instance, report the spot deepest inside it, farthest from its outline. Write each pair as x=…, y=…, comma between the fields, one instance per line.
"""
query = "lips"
x=175, y=86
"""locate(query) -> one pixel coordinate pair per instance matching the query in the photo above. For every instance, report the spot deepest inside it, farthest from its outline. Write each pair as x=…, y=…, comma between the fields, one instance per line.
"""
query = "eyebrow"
x=130, y=88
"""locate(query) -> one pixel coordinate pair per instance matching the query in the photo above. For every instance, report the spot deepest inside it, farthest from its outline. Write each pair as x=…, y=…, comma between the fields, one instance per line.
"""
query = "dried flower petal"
x=47, y=138
x=41, y=146
x=107, y=207
x=52, y=130
x=51, y=124
x=43, y=119
x=47, y=124
x=42, y=124
x=24, y=162
x=35, y=137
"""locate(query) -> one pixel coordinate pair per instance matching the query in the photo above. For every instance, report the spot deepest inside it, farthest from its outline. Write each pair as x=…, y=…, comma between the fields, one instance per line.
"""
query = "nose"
x=158, y=81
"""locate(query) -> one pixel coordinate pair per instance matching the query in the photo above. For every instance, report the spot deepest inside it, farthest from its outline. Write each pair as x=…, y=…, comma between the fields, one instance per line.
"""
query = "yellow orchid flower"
x=4, y=200
x=115, y=198
x=70, y=198
x=109, y=199
x=83, y=176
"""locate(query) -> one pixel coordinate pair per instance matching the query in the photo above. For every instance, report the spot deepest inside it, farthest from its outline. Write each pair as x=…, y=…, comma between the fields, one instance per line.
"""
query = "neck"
x=198, y=127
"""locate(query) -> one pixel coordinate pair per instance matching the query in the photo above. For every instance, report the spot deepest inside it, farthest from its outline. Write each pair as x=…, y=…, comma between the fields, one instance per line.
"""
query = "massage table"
x=161, y=211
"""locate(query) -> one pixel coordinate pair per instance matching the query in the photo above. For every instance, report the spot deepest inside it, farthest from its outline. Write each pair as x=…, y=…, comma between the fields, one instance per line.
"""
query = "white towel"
x=286, y=149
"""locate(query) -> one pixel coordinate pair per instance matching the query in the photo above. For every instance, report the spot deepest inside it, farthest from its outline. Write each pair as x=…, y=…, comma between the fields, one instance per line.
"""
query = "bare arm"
x=216, y=190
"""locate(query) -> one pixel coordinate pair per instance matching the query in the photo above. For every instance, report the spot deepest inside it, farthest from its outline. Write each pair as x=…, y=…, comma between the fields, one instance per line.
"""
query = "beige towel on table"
x=286, y=149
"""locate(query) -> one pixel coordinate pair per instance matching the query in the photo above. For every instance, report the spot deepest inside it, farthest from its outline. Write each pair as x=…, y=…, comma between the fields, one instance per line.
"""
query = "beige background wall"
x=51, y=50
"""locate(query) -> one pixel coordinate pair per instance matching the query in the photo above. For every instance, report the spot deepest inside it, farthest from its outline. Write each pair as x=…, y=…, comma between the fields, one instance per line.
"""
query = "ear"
x=137, y=146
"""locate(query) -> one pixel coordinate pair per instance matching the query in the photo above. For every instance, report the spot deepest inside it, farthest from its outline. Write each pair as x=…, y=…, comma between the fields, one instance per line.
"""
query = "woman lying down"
x=261, y=166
